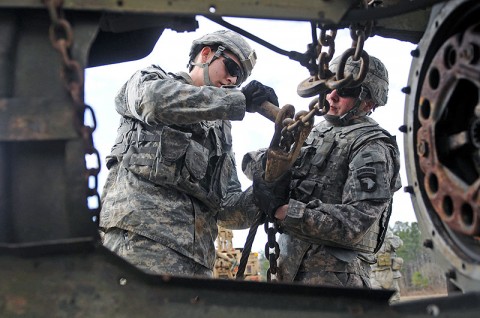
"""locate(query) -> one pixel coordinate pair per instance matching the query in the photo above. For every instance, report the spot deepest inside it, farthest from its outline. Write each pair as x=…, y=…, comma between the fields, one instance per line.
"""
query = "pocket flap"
x=196, y=160
x=174, y=143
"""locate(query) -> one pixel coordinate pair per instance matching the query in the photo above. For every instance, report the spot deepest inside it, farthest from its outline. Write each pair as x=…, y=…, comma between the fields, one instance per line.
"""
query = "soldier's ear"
x=204, y=54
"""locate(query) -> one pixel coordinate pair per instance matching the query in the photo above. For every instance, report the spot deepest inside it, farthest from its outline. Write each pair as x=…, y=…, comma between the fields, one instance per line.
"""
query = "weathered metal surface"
x=43, y=179
x=21, y=120
x=99, y=284
x=331, y=11
x=441, y=153
x=123, y=37
x=60, y=271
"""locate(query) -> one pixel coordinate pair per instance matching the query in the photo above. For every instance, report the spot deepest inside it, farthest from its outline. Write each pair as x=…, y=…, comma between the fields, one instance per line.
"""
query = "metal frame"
x=51, y=263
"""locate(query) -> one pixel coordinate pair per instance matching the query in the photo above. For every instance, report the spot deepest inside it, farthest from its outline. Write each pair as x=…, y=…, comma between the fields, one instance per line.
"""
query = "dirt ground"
x=422, y=294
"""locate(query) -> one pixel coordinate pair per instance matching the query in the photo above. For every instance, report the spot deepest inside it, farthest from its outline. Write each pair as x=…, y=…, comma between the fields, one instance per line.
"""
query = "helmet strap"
x=206, y=76
x=354, y=112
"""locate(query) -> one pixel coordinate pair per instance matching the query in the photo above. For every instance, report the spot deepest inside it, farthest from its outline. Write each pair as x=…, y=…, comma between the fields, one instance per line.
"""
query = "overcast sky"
x=272, y=69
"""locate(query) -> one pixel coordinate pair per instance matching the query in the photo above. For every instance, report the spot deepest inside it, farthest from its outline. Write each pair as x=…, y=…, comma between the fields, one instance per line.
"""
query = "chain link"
x=61, y=38
x=272, y=250
x=324, y=57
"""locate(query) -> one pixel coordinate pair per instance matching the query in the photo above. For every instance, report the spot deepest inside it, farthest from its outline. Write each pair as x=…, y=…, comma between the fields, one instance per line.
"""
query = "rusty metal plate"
x=35, y=119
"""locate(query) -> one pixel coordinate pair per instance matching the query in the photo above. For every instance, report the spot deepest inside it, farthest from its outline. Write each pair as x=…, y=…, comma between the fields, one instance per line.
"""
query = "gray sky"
x=272, y=69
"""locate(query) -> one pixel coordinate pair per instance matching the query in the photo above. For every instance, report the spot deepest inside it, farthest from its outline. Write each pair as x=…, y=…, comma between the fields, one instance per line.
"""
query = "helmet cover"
x=233, y=42
x=376, y=80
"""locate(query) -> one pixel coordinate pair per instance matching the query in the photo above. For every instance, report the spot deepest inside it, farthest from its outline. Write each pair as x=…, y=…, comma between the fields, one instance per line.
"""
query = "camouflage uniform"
x=172, y=173
x=340, y=195
x=386, y=271
x=338, y=207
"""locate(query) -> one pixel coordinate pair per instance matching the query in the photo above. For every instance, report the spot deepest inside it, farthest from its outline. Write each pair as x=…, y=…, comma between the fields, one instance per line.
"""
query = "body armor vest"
x=322, y=170
x=195, y=158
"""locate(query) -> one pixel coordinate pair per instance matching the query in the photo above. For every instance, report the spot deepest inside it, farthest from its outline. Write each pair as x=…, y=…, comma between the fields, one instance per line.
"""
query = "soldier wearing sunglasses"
x=172, y=173
x=333, y=207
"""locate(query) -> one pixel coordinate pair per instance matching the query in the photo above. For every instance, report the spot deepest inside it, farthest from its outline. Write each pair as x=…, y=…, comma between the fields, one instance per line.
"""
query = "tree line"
x=419, y=272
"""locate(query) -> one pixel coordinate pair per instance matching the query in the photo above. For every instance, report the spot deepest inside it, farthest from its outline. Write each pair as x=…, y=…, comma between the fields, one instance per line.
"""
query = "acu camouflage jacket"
x=340, y=199
x=172, y=170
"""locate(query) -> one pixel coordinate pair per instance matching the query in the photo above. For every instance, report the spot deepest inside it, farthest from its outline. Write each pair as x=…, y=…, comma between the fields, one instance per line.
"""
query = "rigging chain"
x=61, y=37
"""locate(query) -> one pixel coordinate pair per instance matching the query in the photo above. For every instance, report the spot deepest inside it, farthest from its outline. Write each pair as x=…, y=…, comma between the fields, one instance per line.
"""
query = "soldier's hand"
x=281, y=212
x=269, y=196
x=256, y=94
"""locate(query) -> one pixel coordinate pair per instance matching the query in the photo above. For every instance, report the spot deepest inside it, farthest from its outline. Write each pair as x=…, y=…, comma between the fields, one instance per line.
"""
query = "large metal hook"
x=280, y=158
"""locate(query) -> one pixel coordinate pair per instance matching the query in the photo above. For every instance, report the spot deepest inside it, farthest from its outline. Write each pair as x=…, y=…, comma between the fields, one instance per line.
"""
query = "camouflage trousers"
x=332, y=279
x=383, y=279
x=151, y=256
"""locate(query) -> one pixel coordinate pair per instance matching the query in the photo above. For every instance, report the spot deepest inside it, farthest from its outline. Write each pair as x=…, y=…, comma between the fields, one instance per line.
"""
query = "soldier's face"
x=218, y=71
x=339, y=105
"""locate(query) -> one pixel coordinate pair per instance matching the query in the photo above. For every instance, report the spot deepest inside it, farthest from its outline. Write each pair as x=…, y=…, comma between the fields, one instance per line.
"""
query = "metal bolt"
x=433, y=310
x=452, y=274
x=408, y=189
x=195, y=300
x=422, y=148
x=428, y=243
x=403, y=128
x=468, y=53
x=415, y=53
x=407, y=90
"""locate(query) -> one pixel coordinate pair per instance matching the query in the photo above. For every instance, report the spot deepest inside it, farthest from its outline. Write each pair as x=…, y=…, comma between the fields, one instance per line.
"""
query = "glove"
x=271, y=195
x=256, y=94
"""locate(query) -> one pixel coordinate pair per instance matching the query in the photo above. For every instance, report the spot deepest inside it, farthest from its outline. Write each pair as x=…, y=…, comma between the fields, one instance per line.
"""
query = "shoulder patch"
x=367, y=176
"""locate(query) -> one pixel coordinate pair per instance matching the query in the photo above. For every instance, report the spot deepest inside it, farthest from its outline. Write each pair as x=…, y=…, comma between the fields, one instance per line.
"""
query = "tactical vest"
x=195, y=158
x=322, y=170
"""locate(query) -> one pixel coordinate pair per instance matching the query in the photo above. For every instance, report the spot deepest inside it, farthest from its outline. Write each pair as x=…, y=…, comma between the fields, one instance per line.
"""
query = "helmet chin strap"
x=354, y=112
x=206, y=76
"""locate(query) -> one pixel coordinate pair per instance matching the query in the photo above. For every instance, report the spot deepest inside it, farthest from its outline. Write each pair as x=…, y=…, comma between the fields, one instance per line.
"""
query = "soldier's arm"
x=153, y=97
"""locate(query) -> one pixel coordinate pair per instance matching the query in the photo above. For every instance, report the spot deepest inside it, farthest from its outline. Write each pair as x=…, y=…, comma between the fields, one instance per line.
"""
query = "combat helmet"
x=376, y=80
x=225, y=40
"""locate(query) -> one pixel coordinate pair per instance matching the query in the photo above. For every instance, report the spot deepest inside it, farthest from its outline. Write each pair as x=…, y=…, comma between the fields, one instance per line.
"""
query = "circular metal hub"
x=442, y=139
x=449, y=125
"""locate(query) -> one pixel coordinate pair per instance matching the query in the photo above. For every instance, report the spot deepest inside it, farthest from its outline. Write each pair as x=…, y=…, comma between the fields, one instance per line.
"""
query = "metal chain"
x=61, y=37
x=325, y=80
x=272, y=250
x=324, y=58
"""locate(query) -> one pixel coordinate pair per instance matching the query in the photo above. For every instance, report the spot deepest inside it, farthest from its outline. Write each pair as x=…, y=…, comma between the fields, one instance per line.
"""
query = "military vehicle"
x=51, y=262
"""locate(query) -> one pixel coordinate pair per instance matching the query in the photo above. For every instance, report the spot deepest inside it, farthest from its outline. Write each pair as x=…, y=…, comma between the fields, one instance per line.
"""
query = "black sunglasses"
x=349, y=91
x=233, y=69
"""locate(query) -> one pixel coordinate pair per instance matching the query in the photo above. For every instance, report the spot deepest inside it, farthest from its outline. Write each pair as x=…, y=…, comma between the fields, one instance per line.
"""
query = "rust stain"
x=3, y=105
x=16, y=304
x=19, y=123
x=22, y=127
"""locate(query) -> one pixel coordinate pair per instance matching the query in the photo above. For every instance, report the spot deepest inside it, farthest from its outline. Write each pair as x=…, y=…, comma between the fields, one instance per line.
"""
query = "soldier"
x=172, y=172
x=340, y=189
x=386, y=271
